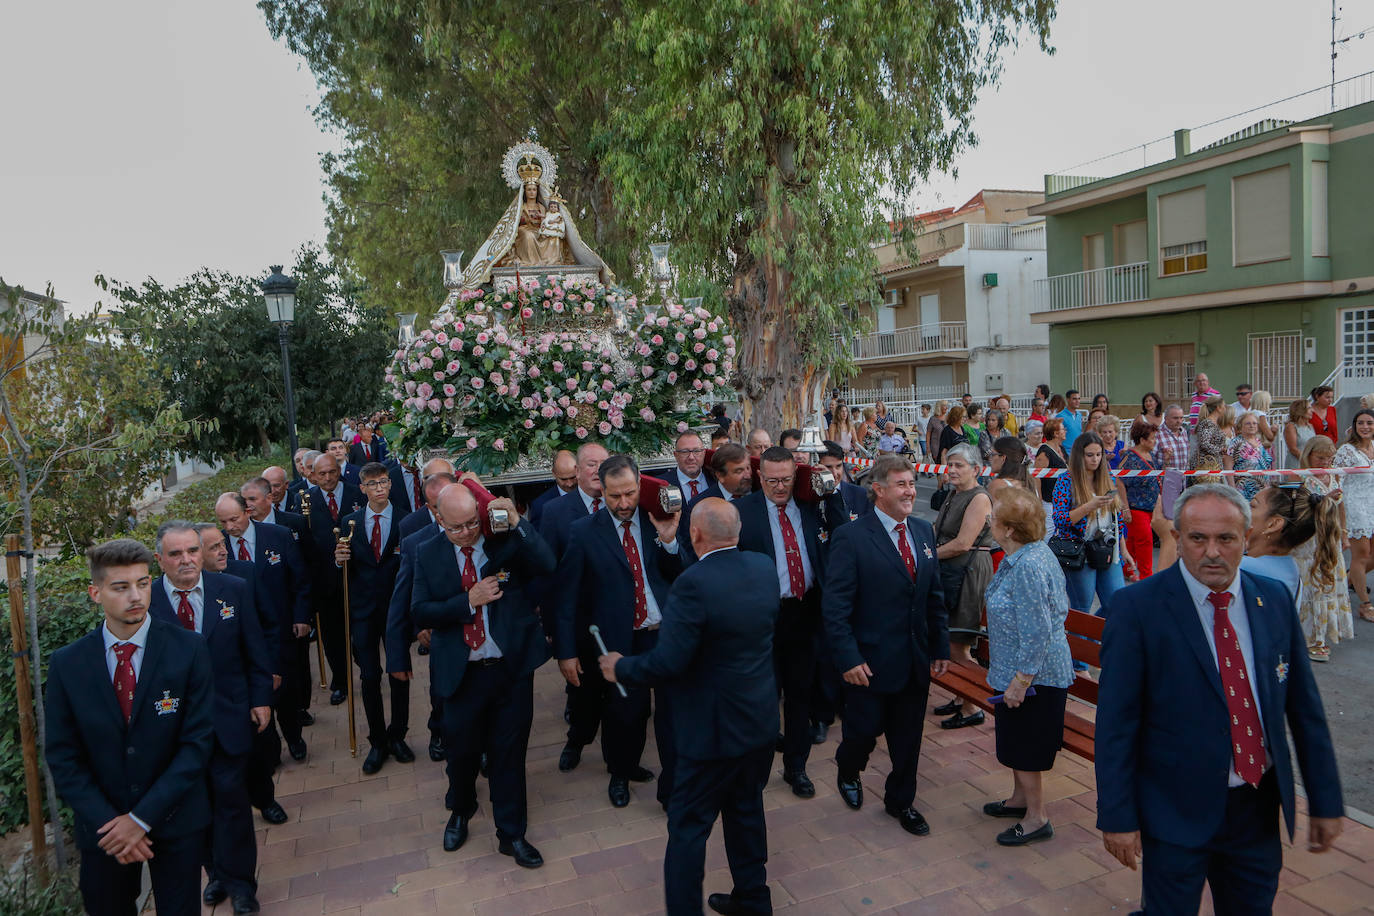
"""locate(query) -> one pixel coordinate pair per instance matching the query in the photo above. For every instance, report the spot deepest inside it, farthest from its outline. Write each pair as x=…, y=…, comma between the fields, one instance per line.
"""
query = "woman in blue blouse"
x=1026, y=608
x=1091, y=506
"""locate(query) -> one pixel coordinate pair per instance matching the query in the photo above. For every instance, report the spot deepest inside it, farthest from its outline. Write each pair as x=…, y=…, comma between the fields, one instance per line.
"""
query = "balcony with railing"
x=1104, y=286
x=941, y=337
x=1006, y=236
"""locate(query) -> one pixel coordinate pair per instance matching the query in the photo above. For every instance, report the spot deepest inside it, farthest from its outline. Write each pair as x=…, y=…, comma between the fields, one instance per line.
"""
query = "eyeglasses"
x=689, y=451
x=464, y=526
x=779, y=481
x=378, y=484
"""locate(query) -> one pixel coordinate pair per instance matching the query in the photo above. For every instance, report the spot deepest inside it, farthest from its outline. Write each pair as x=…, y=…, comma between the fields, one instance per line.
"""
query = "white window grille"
x=1090, y=370
x=1276, y=364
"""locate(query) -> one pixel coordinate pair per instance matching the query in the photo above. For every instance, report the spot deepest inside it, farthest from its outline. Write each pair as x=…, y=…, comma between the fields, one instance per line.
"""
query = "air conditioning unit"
x=894, y=298
x=989, y=281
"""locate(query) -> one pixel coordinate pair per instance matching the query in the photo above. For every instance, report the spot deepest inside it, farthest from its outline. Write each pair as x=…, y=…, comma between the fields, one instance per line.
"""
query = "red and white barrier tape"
x=865, y=463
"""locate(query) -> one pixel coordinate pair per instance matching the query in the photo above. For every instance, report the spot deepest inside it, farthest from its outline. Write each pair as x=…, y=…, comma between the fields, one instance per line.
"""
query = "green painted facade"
x=1220, y=333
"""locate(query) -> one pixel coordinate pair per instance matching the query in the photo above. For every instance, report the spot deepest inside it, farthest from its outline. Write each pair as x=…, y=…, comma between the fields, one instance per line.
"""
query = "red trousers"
x=1140, y=542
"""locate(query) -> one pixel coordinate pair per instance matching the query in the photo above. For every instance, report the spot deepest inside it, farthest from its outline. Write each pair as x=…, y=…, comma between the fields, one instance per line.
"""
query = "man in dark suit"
x=278, y=552
x=854, y=496
x=564, y=481
x=331, y=500
x=714, y=656
x=277, y=485
x=218, y=607
x=400, y=623
x=373, y=561
x=266, y=753
x=130, y=759
x=257, y=495
x=615, y=573
x=793, y=537
x=368, y=448
x=583, y=709
x=827, y=692
x=337, y=449
x=733, y=479
x=299, y=483
x=1202, y=666
x=471, y=592
x=689, y=475
x=885, y=623
x=407, y=486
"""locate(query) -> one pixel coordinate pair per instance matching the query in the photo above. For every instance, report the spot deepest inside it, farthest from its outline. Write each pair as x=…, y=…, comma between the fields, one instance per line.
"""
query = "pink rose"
x=647, y=415
x=696, y=383
x=441, y=338
x=647, y=371
x=479, y=351
x=570, y=383
x=503, y=390
x=558, y=366
x=434, y=405
x=563, y=401
x=437, y=353
x=529, y=424
x=699, y=333
x=558, y=306
x=439, y=376
x=643, y=349
x=547, y=411
x=527, y=403
x=587, y=365
x=712, y=354
x=682, y=427
x=604, y=428
x=608, y=385
x=410, y=387
x=448, y=403
x=495, y=378
x=499, y=445
x=452, y=366
x=581, y=432
x=679, y=337
x=618, y=421
x=605, y=369
x=483, y=337
x=426, y=363
x=450, y=391
x=477, y=383
x=572, y=412
x=690, y=365
x=527, y=312
x=672, y=359
x=456, y=345
x=425, y=391
x=472, y=443
x=672, y=378
x=662, y=321
x=534, y=372
x=656, y=340
x=648, y=386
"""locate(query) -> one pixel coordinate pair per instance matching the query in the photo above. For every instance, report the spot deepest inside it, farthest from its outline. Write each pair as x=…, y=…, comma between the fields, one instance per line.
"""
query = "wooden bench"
x=1084, y=632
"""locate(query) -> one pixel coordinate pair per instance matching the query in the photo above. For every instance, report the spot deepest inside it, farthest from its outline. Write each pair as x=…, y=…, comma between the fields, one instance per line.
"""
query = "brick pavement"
x=371, y=845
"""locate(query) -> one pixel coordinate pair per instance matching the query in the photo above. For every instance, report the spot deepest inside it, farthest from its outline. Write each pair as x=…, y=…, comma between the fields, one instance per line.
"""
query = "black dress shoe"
x=423, y=650
x=1002, y=809
x=570, y=758
x=525, y=855
x=819, y=731
x=852, y=791
x=619, y=792
x=305, y=718
x=336, y=697
x=246, y=905
x=297, y=749
x=959, y=720
x=1016, y=835
x=456, y=832
x=641, y=774
x=801, y=784
x=724, y=903
x=274, y=814
x=214, y=893
x=375, y=758
x=401, y=751
x=436, y=749
x=911, y=820
x=950, y=708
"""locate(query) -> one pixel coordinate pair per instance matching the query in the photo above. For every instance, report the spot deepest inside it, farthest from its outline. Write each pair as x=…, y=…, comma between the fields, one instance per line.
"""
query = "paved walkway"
x=371, y=845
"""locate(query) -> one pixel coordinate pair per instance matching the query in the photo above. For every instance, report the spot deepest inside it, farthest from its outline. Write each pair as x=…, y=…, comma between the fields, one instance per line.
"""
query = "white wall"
x=1022, y=356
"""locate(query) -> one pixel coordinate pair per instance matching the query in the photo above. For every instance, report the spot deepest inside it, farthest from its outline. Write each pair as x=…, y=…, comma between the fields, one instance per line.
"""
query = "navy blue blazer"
x=417, y=521
x=684, y=526
x=874, y=612
x=325, y=578
x=400, y=624
x=154, y=766
x=283, y=588
x=555, y=521
x=295, y=523
x=440, y=604
x=358, y=459
x=1163, y=748
x=676, y=478
x=594, y=584
x=294, y=489
x=244, y=569
x=537, y=505
x=715, y=656
x=239, y=661
x=856, y=500
x=756, y=532
x=371, y=581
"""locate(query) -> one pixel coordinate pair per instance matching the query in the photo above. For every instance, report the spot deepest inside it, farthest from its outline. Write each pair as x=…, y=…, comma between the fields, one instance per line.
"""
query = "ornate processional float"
x=536, y=347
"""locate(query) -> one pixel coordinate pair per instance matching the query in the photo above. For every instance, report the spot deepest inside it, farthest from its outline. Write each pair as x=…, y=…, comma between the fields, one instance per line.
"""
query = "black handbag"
x=1100, y=552
x=1069, y=552
x=937, y=499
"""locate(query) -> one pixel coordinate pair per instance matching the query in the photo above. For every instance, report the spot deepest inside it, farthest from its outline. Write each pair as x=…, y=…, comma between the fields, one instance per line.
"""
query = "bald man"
x=277, y=484
x=470, y=591
x=564, y=481
x=331, y=499
x=714, y=658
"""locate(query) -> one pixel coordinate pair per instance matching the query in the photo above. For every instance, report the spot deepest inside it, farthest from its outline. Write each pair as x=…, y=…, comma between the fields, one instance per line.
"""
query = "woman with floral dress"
x=1324, y=608
x=1358, y=452
x=1247, y=453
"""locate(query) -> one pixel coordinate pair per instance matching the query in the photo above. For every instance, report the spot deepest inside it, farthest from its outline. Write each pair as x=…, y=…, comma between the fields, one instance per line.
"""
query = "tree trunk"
x=264, y=441
x=35, y=651
x=779, y=383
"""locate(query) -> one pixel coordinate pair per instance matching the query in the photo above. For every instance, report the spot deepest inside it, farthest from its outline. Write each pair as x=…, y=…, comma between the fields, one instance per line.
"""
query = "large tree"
x=772, y=141
x=218, y=356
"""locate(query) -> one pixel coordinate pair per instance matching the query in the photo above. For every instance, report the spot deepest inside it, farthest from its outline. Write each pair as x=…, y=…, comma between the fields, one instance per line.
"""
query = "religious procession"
x=548, y=572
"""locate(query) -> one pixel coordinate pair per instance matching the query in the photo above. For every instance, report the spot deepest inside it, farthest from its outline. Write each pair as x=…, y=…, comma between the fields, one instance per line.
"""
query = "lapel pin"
x=928, y=553
x=1282, y=670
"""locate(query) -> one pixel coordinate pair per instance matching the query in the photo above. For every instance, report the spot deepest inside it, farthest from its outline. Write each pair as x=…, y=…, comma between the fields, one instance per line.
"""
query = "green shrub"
x=22, y=895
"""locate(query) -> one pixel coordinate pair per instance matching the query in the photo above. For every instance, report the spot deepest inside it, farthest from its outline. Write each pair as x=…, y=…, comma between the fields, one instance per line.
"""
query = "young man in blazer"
x=331, y=500
x=219, y=608
x=1205, y=677
x=130, y=723
x=367, y=449
x=615, y=573
x=715, y=657
x=793, y=537
x=373, y=560
x=886, y=626
x=471, y=592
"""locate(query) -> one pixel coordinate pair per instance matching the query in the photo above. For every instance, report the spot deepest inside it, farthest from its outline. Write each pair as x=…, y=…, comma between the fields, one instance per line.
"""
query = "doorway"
x=1174, y=368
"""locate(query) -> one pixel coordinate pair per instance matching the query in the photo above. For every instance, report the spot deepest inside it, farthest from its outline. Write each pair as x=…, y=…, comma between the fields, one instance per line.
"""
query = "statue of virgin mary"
x=516, y=241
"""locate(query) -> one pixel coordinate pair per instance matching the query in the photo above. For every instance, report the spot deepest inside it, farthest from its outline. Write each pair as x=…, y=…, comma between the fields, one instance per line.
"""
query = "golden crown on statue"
x=529, y=169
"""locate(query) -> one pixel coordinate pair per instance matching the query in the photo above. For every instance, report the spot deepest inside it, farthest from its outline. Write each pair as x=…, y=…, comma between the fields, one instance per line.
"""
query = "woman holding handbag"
x=1090, y=527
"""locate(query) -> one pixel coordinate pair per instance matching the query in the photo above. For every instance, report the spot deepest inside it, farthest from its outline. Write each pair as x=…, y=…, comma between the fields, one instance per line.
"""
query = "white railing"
x=1006, y=236
x=1104, y=286
x=925, y=338
x=904, y=404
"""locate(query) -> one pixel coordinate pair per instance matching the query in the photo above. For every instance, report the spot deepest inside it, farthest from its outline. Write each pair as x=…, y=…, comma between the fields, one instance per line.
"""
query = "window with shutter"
x=1183, y=232
x=1260, y=208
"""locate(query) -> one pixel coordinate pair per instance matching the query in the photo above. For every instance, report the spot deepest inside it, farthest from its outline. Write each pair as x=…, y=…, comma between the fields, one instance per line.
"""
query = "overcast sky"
x=151, y=137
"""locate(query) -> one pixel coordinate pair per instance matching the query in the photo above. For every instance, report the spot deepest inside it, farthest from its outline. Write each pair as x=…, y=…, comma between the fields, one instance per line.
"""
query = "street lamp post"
x=279, y=292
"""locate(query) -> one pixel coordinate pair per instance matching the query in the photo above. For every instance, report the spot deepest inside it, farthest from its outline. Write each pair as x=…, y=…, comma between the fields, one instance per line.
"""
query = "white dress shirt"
x=385, y=516
x=488, y=649
x=780, y=551
x=196, y=596
x=702, y=484
x=890, y=526
x=587, y=500
x=139, y=639
x=655, y=616
x=1240, y=622
x=249, y=539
